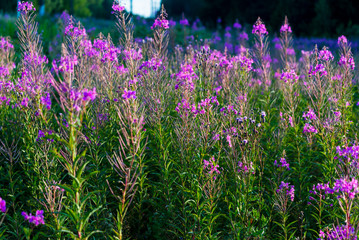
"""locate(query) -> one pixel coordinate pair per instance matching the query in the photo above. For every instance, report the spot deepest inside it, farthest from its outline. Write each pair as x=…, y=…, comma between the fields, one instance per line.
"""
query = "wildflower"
x=25, y=7
x=347, y=62
x=211, y=167
x=259, y=28
x=325, y=55
x=237, y=25
x=229, y=141
x=185, y=77
x=160, y=23
x=66, y=64
x=348, y=188
x=310, y=115
x=5, y=44
x=184, y=22
x=289, y=76
x=25, y=102
x=243, y=36
x=342, y=40
x=75, y=32
x=282, y=163
x=129, y=94
x=320, y=68
x=309, y=129
x=89, y=94
x=289, y=190
x=285, y=28
x=37, y=219
x=117, y=8
x=2, y=205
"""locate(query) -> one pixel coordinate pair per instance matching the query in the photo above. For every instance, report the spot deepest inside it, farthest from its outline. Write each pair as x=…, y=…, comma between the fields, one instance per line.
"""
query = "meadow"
x=177, y=133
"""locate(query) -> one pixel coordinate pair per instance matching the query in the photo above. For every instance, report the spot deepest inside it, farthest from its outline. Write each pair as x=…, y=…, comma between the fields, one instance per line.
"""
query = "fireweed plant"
x=175, y=137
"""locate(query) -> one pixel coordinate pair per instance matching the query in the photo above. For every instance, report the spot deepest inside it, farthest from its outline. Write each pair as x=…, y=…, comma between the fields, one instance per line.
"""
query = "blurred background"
x=319, y=18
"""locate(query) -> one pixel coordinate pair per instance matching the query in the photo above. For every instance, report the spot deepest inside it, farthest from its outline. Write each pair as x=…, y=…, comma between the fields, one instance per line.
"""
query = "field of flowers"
x=218, y=138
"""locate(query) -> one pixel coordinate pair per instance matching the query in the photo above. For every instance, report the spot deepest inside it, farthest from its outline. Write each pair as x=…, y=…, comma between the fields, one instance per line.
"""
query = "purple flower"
x=320, y=68
x=348, y=187
x=185, y=77
x=128, y=94
x=25, y=102
x=117, y=8
x=289, y=190
x=325, y=55
x=184, y=22
x=25, y=7
x=259, y=28
x=309, y=129
x=75, y=32
x=46, y=100
x=237, y=25
x=89, y=95
x=285, y=28
x=66, y=64
x=347, y=62
x=211, y=167
x=37, y=219
x=310, y=115
x=160, y=23
x=282, y=163
x=289, y=76
x=5, y=44
x=342, y=40
x=229, y=141
x=2, y=205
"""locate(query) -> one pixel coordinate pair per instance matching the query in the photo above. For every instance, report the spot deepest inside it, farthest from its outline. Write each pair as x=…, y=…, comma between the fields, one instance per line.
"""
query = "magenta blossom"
x=37, y=219
x=127, y=94
x=25, y=7
x=117, y=8
x=160, y=23
x=2, y=205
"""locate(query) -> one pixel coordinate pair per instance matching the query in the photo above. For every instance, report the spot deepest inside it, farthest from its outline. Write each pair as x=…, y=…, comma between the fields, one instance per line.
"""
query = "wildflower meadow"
x=241, y=134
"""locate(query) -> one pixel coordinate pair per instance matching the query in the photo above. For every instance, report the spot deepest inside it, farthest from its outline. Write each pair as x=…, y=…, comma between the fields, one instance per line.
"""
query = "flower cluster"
x=5, y=44
x=2, y=205
x=285, y=28
x=340, y=232
x=245, y=168
x=133, y=54
x=349, y=153
x=185, y=77
x=117, y=8
x=347, y=62
x=25, y=7
x=289, y=190
x=66, y=64
x=127, y=94
x=259, y=28
x=37, y=219
x=349, y=188
x=184, y=22
x=289, y=76
x=282, y=164
x=310, y=115
x=211, y=167
x=320, y=68
x=245, y=62
x=321, y=190
x=309, y=129
x=325, y=55
x=160, y=23
x=75, y=32
x=342, y=40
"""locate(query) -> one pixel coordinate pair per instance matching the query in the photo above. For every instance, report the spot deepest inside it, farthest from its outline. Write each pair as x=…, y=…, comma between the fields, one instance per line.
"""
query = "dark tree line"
x=307, y=17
